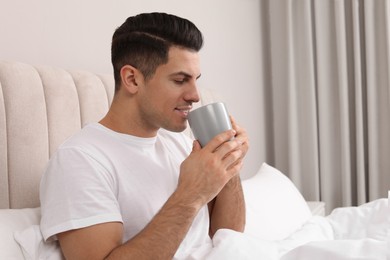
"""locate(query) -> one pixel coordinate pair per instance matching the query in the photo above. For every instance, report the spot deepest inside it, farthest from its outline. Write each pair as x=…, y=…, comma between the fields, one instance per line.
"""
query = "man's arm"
x=227, y=210
x=159, y=239
x=202, y=176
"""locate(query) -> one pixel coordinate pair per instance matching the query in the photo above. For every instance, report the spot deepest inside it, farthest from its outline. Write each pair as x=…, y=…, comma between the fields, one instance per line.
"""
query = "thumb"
x=196, y=146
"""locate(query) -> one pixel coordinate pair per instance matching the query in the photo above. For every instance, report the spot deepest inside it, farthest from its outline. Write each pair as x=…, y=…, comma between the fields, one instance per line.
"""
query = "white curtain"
x=326, y=67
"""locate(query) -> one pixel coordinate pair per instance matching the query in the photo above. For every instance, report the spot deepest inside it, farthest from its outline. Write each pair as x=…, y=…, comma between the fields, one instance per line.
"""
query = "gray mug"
x=208, y=121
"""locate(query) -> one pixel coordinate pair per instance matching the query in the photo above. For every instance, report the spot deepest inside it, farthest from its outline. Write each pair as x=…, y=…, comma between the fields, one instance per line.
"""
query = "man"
x=132, y=186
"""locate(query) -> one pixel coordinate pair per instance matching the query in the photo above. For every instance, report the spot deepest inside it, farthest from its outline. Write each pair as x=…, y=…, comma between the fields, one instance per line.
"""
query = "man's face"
x=167, y=97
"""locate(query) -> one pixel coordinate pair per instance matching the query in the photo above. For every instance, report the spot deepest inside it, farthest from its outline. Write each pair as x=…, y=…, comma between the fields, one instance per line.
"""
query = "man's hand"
x=207, y=170
x=241, y=136
x=214, y=173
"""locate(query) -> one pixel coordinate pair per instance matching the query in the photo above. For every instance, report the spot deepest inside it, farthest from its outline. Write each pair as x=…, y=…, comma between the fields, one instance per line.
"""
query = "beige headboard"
x=40, y=107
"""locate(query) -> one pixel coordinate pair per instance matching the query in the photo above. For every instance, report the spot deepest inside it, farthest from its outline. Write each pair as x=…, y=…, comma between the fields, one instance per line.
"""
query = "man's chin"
x=177, y=128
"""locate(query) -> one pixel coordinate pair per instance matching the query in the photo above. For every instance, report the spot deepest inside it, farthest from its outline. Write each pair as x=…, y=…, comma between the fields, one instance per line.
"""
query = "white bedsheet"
x=347, y=233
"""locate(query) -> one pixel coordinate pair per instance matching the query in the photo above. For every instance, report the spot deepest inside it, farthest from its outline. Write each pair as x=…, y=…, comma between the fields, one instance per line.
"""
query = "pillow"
x=34, y=247
x=12, y=220
x=274, y=207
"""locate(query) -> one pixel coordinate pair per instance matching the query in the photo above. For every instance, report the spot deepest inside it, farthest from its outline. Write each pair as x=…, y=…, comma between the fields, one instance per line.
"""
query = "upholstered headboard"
x=40, y=107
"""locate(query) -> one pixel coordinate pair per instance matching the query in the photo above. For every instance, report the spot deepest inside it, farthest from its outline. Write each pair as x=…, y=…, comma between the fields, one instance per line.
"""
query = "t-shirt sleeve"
x=76, y=191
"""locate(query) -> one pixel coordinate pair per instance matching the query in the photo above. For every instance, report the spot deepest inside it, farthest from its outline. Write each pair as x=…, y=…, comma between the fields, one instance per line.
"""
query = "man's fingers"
x=218, y=140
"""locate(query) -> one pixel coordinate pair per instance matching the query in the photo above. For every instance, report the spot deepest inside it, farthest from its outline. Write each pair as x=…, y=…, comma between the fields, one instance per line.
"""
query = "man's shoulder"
x=89, y=131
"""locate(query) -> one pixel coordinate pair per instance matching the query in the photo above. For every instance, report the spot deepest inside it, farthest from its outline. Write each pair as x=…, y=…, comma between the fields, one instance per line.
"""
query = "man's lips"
x=183, y=110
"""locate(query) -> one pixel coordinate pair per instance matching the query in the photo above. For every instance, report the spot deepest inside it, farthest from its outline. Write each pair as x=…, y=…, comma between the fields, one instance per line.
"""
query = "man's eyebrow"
x=185, y=74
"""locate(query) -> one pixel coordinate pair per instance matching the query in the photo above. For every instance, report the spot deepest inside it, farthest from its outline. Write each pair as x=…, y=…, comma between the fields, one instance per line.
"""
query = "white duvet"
x=347, y=233
x=279, y=225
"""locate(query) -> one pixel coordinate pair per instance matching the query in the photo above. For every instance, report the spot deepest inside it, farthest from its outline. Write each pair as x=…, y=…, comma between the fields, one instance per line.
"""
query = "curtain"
x=326, y=67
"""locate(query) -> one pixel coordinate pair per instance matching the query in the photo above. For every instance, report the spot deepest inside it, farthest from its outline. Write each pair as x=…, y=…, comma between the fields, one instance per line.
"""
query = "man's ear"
x=131, y=78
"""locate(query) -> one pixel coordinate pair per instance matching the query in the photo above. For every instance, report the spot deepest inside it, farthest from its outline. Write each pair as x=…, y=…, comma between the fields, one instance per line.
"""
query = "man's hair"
x=143, y=41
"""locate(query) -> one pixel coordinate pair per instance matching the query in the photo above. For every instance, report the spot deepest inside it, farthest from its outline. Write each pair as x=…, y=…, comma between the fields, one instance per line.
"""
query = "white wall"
x=76, y=34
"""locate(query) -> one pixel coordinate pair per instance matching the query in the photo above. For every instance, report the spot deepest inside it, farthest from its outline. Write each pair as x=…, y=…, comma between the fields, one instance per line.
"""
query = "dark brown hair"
x=143, y=41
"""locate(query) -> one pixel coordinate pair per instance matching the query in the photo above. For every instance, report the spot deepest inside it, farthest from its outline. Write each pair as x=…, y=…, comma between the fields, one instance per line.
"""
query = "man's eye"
x=180, y=81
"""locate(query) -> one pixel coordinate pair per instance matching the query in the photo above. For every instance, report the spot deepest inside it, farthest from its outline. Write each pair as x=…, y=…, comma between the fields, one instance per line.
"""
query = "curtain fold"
x=329, y=88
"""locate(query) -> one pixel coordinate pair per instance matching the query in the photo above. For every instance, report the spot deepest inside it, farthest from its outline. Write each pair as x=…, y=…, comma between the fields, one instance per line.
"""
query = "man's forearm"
x=228, y=208
x=161, y=238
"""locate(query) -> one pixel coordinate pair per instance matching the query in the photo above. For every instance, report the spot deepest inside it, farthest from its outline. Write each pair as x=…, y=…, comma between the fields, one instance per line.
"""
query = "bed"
x=40, y=106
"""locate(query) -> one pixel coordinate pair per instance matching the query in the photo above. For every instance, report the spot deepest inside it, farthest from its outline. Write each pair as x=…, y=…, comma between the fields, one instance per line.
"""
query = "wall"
x=76, y=35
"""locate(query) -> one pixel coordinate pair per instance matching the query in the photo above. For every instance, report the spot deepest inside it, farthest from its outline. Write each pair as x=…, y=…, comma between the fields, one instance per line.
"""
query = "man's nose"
x=192, y=94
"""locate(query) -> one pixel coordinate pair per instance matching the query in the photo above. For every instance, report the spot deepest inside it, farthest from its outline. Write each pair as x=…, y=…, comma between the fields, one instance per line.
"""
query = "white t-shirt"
x=100, y=176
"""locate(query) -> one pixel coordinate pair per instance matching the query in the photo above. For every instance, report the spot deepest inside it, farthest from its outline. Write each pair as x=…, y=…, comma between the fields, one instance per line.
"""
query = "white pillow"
x=274, y=206
x=34, y=247
x=12, y=220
